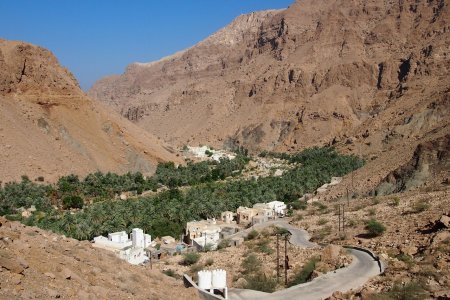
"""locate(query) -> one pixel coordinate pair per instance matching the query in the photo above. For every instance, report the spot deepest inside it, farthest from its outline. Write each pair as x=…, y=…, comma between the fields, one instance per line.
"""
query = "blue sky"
x=94, y=38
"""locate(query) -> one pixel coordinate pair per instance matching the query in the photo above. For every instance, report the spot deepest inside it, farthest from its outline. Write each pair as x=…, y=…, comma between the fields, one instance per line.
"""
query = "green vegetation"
x=263, y=247
x=252, y=235
x=304, y=274
x=375, y=200
x=225, y=243
x=408, y=291
x=406, y=259
x=420, y=206
x=195, y=173
x=209, y=262
x=256, y=280
x=208, y=153
x=394, y=201
x=190, y=258
x=320, y=234
x=299, y=205
x=260, y=282
x=281, y=231
x=372, y=211
x=72, y=202
x=167, y=212
x=375, y=228
x=251, y=264
x=322, y=221
x=171, y=273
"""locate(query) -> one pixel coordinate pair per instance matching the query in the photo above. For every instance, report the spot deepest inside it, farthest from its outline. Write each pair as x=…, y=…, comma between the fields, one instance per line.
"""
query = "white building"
x=216, y=155
x=130, y=249
x=209, y=239
x=202, y=233
x=278, y=207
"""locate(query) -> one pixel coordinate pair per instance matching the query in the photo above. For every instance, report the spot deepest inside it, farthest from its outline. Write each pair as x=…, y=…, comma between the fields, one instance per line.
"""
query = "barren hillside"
x=36, y=264
x=49, y=127
x=370, y=77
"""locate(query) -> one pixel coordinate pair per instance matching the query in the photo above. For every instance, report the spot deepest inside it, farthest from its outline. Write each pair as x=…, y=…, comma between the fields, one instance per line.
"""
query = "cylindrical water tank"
x=204, y=280
x=219, y=279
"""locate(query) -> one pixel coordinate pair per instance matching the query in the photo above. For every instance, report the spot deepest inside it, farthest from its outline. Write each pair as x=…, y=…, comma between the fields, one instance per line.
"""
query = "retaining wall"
x=372, y=254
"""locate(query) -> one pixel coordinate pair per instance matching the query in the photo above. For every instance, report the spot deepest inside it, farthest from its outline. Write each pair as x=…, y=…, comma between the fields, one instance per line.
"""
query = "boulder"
x=315, y=274
x=51, y=293
x=22, y=262
x=366, y=292
x=439, y=238
x=445, y=221
x=330, y=254
x=50, y=275
x=240, y=283
x=11, y=264
x=409, y=250
x=66, y=274
x=337, y=295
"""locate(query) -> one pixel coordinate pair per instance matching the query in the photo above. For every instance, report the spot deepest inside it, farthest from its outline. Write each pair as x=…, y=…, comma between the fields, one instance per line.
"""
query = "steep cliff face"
x=370, y=77
x=49, y=127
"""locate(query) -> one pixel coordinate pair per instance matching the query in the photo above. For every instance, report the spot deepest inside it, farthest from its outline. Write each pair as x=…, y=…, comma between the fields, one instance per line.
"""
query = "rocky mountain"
x=49, y=127
x=369, y=77
x=37, y=264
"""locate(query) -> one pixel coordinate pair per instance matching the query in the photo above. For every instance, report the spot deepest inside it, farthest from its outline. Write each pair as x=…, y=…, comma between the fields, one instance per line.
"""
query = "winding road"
x=362, y=268
x=299, y=237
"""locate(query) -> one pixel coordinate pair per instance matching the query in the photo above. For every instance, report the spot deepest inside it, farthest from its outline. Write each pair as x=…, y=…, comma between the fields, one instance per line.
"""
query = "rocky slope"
x=35, y=264
x=49, y=127
x=370, y=77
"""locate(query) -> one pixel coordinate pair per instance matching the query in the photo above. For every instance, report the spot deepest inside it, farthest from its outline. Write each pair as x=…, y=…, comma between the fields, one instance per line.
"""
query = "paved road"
x=299, y=237
x=362, y=268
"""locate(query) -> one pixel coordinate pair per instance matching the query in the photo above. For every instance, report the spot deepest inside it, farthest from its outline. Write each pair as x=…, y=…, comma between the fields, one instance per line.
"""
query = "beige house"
x=197, y=229
x=227, y=217
x=260, y=213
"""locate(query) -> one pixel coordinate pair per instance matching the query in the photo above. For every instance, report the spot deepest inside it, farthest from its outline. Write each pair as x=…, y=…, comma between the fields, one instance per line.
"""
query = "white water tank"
x=204, y=280
x=137, y=238
x=147, y=240
x=219, y=279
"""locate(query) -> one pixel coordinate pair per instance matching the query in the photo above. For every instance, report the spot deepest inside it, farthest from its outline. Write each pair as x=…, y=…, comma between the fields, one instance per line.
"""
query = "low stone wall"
x=188, y=282
x=375, y=257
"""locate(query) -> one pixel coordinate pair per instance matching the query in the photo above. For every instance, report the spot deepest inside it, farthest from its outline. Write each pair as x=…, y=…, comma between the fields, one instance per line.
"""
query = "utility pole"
x=353, y=175
x=278, y=257
x=339, y=217
x=151, y=266
x=348, y=198
x=286, y=259
x=343, y=219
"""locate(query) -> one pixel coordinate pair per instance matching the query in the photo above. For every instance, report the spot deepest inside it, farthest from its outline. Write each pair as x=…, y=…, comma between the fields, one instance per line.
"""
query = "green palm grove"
x=166, y=213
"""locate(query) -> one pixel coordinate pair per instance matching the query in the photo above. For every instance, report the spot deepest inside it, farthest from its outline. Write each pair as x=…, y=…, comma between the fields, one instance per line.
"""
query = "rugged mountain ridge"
x=49, y=127
x=369, y=77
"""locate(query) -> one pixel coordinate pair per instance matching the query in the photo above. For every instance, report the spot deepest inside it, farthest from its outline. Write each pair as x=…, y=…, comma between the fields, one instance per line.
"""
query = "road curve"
x=299, y=237
x=362, y=268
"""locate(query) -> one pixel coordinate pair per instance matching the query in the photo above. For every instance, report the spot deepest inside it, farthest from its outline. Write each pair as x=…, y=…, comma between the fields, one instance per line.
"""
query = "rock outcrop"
x=49, y=127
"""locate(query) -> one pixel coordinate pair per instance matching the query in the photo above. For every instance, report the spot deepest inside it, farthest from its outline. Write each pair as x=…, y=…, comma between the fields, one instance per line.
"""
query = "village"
x=203, y=235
